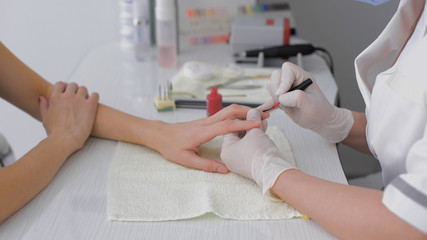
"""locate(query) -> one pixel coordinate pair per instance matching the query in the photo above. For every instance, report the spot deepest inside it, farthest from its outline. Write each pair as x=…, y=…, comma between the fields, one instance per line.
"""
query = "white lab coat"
x=395, y=94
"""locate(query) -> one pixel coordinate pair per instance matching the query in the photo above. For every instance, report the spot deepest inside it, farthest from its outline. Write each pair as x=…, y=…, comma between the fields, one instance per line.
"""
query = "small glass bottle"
x=166, y=34
x=214, y=102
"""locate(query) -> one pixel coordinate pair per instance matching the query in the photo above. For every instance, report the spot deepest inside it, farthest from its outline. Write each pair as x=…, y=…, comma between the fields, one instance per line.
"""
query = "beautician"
x=70, y=114
x=392, y=76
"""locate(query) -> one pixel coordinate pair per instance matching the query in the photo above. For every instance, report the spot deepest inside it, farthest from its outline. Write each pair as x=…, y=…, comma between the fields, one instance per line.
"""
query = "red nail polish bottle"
x=214, y=102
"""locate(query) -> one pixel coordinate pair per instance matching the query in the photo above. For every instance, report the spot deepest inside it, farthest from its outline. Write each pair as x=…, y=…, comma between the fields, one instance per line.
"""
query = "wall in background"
x=51, y=37
x=345, y=28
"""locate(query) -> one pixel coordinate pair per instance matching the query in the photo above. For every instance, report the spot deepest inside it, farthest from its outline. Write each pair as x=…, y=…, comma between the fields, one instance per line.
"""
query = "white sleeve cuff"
x=407, y=202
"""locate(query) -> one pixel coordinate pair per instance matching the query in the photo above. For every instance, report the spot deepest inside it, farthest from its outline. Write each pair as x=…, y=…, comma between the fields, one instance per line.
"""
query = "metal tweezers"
x=237, y=79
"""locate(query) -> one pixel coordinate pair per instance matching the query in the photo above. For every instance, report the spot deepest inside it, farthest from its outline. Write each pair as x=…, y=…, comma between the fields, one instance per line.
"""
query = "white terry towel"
x=143, y=186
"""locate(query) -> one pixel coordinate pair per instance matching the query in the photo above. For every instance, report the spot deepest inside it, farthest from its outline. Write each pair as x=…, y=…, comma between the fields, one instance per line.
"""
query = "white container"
x=166, y=34
x=141, y=29
x=125, y=20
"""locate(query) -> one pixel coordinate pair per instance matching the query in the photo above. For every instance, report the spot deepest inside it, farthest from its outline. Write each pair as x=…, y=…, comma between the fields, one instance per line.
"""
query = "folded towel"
x=143, y=186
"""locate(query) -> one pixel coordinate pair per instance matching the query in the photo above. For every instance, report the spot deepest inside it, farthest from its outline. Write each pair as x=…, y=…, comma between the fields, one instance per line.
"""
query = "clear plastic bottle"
x=166, y=34
x=125, y=21
x=141, y=24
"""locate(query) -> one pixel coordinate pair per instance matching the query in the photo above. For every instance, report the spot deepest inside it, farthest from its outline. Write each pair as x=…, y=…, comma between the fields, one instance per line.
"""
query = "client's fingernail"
x=220, y=170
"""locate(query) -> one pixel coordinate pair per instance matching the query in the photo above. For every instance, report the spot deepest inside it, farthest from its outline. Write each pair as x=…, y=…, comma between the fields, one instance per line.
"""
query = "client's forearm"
x=116, y=125
x=23, y=180
x=20, y=85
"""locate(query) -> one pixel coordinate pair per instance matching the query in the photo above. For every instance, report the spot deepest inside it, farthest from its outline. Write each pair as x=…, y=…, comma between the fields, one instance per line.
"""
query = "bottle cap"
x=141, y=9
x=165, y=10
x=168, y=4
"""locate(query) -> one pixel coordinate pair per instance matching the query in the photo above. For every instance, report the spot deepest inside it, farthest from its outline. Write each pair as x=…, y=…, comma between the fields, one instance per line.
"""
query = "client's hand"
x=69, y=114
x=180, y=142
x=254, y=156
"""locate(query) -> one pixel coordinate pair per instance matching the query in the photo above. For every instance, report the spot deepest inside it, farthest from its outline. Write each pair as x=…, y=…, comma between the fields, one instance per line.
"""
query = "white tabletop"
x=74, y=205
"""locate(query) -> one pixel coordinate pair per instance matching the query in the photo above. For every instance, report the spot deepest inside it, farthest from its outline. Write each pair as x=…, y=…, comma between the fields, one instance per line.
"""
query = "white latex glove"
x=254, y=156
x=309, y=108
